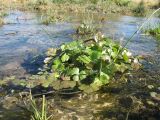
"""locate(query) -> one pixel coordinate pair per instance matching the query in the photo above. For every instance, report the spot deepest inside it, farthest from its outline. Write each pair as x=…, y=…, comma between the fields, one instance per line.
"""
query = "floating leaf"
x=58, y=85
x=86, y=88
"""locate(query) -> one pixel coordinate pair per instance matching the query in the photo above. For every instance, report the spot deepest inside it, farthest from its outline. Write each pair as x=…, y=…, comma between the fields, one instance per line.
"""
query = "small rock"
x=75, y=117
x=121, y=117
x=96, y=97
x=153, y=94
x=9, y=102
x=158, y=89
x=59, y=111
x=107, y=105
x=150, y=86
x=150, y=103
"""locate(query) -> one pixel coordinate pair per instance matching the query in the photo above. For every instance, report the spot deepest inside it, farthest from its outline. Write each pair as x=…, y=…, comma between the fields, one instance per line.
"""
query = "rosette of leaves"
x=88, y=65
x=86, y=29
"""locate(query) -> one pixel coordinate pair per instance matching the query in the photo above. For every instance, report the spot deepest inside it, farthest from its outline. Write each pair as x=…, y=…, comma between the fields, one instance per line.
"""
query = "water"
x=23, y=37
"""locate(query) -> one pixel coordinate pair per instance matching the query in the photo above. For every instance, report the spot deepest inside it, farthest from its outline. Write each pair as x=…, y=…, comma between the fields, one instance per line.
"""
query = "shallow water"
x=23, y=37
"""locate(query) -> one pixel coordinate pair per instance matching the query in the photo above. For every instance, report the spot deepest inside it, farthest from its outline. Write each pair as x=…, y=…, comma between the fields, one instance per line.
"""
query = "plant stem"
x=138, y=30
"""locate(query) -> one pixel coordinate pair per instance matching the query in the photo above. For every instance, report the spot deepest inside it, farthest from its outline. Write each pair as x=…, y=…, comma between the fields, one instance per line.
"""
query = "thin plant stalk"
x=138, y=30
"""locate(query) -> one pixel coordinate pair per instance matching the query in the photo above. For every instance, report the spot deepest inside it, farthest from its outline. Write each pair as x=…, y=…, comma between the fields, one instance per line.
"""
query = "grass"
x=100, y=6
x=56, y=10
x=1, y=21
x=2, y=15
x=154, y=31
x=37, y=113
x=52, y=17
x=140, y=10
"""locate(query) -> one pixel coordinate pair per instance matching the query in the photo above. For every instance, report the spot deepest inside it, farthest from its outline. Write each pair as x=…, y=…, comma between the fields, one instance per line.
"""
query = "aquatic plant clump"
x=1, y=21
x=88, y=64
x=154, y=31
x=86, y=29
x=2, y=15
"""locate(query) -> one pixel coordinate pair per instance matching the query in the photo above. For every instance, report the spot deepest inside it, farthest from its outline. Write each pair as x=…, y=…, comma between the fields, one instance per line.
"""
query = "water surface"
x=23, y=36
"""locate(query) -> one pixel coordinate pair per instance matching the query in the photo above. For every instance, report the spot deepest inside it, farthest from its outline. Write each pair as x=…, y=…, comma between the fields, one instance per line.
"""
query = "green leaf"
x=121, y=68
x=95, y=55
x=96, y=84
x=63, y=47
x=65, y=58
x=82, y=75
x=74, y=71
x=56, y=63
x=104, y=78
x=125, y=57
x=84, y=59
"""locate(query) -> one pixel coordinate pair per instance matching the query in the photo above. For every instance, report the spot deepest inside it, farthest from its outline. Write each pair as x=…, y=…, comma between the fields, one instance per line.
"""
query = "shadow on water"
x=33, y=64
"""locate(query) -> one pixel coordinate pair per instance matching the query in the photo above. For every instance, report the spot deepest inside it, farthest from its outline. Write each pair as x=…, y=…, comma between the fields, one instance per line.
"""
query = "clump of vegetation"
x=51, y=17
x=154, y=31
x=140, y=10
x=37, y=113
x=2, y=15
x=122, y=2
x=87, y=65
x=1, y=21
x=92, y=6
x=86, y=29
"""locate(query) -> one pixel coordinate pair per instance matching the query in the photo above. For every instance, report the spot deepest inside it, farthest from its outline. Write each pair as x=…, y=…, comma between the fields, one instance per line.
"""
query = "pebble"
x=153, y=94
x=150, y=86
x=150, y=103
x=158, y=89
